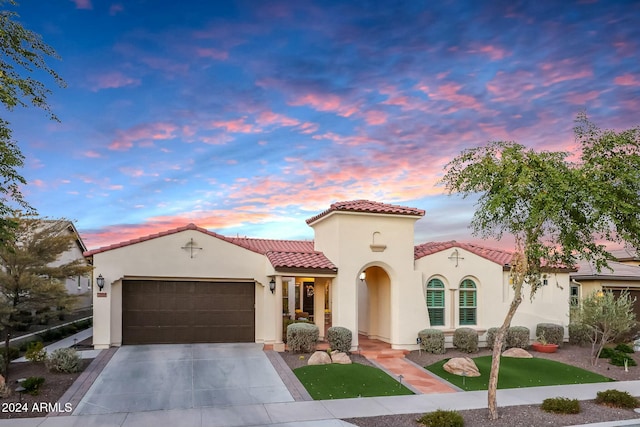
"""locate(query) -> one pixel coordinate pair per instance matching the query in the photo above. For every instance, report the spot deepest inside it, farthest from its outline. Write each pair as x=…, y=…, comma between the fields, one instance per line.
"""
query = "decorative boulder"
x=319, y=358
x=462, y=366
x=340, y=358
x=517, y=352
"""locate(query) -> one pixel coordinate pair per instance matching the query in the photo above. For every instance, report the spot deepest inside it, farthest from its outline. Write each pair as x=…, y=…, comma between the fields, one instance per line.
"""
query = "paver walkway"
x=394, y=362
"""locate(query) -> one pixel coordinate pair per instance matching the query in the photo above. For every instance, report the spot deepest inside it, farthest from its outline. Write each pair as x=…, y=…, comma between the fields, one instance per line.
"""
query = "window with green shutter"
x=435, y=302
x=468, y=303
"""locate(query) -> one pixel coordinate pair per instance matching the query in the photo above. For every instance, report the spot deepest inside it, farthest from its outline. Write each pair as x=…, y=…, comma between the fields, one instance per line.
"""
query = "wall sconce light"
x=272, y=285
x=100, y=281
x=363, y=276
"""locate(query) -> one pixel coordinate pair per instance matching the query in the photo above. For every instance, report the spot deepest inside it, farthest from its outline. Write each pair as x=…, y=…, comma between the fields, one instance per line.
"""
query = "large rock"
x=463, y=366
x=517, y=352
x=340, y=358
x=319, y=358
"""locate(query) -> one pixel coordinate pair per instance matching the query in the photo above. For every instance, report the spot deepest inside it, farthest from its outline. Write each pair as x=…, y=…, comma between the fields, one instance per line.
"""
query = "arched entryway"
x=374, y=304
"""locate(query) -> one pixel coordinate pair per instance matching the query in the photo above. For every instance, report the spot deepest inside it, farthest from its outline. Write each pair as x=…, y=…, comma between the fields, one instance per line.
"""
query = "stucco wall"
x=494, y=294
x=346, y=239
x=164, y=257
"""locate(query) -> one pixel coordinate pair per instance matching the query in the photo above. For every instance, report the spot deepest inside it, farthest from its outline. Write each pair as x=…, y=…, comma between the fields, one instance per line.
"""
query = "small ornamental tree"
x=606, y=318
x=556, y=210
x=32, y=274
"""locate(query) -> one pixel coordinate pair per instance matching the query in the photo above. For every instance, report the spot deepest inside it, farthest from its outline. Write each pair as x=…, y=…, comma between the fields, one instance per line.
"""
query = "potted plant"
x=541, y=345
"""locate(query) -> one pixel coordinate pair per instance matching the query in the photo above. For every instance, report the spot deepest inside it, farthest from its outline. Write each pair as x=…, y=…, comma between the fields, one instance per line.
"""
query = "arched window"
x=468, y=302
x=435, y=302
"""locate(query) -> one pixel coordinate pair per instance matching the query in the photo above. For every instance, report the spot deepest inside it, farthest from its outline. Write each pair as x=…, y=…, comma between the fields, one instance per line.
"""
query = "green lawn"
x=344, y=381
x=516, y=373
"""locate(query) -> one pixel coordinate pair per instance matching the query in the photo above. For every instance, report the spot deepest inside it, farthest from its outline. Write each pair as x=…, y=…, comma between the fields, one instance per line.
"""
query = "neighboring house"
x=362, y=272
x=79, y=286
x=622, y=275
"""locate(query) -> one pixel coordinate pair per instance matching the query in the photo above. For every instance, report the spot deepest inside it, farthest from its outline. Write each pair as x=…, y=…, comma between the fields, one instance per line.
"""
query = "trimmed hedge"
x=554, y=334
x=432, y=341
x=339, y=338
x=466, y=339
x=617, y=399
x=518, y=337
x=302, y=337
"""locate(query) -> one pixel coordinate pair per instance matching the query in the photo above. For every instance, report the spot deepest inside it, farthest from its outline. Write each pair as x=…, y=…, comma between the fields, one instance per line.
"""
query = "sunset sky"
x=248, y=117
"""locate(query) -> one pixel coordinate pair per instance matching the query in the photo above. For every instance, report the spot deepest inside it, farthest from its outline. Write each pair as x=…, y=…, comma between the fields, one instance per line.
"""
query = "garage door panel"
x=187, y=312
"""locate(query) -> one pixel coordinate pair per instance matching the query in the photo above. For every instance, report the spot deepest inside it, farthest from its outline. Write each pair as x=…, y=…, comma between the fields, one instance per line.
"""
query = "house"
x=80, y=286
x=622, y=275
x=362, y=271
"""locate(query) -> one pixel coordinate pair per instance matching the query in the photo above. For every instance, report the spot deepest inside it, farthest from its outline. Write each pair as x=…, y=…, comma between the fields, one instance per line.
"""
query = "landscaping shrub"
x=624, y=348
x=441, y=418
x=517, y=337
x=14, y=352
x=607, y=353
x=578, y=334
x=36, y=352
x=432, y=341
x=32, y=385
x=466, y=339
x=285, y=326
x=302, y=337
x=561, y=405
x=339, y=338
x=617, y=399
x=618, y=358
x=64, y=360
x=554, y=334
x=491, y=338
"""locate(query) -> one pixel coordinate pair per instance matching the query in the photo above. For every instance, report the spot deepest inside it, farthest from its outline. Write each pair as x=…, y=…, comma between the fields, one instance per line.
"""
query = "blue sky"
x=247, y=117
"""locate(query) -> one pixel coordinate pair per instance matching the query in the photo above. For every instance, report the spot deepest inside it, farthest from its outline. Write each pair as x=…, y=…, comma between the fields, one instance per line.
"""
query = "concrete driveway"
x=181, y=376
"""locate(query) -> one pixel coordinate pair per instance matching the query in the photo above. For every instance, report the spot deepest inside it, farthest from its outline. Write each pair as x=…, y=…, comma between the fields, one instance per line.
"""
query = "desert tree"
x=557, y=210
x=607, y=318
x=23, y=54
x=33, y=271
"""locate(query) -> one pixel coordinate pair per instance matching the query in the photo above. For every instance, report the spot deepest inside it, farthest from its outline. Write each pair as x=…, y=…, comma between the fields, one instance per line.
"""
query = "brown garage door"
x=163, y=312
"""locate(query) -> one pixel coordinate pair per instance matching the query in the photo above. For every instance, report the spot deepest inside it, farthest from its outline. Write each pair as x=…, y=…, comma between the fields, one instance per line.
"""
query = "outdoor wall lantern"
x=363, y=276
x=100, y=281
x=272, y=285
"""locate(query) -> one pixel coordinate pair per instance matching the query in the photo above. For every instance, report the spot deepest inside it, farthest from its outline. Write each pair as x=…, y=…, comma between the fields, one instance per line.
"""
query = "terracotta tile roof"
x=368, y=207
x=300, y=260
x=265, y=245
x=498, y=256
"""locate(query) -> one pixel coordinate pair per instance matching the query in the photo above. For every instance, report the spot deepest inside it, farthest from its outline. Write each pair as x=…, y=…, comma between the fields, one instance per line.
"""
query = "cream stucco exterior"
x=377, y=288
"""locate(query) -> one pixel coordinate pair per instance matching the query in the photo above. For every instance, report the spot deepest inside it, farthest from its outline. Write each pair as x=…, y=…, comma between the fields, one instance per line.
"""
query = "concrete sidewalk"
x=327, y=413
x=69, y=342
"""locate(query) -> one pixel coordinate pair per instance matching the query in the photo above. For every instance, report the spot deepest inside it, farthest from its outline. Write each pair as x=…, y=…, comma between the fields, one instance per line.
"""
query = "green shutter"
x=468, y=303
x=435, y=302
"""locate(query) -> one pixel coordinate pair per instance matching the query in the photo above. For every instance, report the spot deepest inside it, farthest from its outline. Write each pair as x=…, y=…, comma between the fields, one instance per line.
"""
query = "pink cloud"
x=557, y=72
x=627, y=80
x=450, y=92
x=143, y=134
x=112, y=80
x=83, y=4
x=37, y=183
x=212, y=53
x=494, y=53
x=92, y=154
x=376, y=117
x=133, y=172
x=236, y=126
x=582, y=98
x=510, y=86
x=308, y=127
x=325, y=102
x=267, y=118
